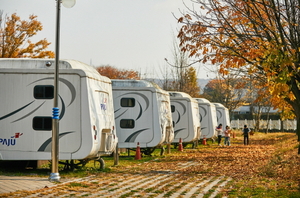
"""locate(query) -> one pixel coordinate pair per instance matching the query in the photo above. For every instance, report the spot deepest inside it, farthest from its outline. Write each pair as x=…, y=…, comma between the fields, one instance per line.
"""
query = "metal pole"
x=54, y=176
x=116, y=155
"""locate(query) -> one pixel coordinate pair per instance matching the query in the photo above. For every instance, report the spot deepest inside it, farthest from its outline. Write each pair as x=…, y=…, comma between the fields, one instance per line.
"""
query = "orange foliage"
x=114, y=73
x=248, y=35
x=254, y=37
x=16, y=33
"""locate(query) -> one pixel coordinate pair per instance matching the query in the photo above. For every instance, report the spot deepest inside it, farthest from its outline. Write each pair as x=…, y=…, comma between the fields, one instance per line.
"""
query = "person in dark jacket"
x=246, y=132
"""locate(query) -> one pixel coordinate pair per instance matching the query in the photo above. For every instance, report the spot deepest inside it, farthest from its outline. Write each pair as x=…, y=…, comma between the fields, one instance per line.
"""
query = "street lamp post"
x=54, y=176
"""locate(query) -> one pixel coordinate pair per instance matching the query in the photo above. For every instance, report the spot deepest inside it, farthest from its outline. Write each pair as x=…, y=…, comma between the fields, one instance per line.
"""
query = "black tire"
x=101, y=163
x=148, y=151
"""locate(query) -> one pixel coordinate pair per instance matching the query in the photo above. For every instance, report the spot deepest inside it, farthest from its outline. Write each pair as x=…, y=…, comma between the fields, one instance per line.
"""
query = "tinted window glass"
x=42, y=123
x=43, y=92
x=172, y=108
x=127, y=123
x=127, y=102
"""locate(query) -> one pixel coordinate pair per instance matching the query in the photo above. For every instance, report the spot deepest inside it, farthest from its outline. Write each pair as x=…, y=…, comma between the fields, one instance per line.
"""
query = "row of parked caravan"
x=96, y=113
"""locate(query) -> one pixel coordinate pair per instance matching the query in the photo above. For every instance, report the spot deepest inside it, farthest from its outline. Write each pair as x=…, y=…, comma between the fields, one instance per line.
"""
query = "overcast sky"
x=127, y=34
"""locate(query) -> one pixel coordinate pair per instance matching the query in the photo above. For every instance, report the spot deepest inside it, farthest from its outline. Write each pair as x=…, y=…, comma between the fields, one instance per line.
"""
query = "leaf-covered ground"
x=268, y=167
x=270, y=162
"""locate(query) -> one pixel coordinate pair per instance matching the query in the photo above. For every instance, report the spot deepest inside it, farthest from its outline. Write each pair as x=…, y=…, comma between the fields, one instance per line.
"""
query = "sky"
x=127, y=34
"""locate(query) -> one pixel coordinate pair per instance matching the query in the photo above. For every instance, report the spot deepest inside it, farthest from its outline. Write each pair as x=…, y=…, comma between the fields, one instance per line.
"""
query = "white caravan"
x=185, y=115
x=86, y=126
x=208, y=118
x=222, y=115
x=142, y=115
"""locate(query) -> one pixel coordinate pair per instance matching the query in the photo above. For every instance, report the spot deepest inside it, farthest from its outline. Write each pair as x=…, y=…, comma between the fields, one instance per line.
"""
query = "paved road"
x=151, y=184
x=15, y=183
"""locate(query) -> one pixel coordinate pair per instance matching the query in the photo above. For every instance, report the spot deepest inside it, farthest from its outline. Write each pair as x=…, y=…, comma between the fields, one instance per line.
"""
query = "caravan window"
x=43, y=92
x=127, y=102
x=127, y=123
x=42, y=123
x=172, y=108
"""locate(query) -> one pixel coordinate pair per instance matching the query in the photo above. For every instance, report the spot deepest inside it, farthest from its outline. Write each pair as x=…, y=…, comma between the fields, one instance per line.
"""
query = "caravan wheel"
x=72, y=164
x=148, y=151
x=68, y=165
x=101, y=163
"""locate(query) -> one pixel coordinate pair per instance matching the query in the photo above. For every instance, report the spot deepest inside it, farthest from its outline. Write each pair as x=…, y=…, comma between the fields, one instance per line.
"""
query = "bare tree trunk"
x=268, y=122
x=297, y=113
x=298, y=131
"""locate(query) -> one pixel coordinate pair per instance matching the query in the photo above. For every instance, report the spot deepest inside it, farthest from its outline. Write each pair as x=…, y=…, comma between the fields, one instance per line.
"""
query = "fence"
x=288, y=125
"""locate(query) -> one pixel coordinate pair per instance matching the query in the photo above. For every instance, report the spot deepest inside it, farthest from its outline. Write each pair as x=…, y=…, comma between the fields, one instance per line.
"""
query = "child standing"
x=227, y=136
x=220, y=133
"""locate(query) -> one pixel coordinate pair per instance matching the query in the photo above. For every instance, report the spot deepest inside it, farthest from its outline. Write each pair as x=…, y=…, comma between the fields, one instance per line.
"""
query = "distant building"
x=245, y=109
x=244, y=112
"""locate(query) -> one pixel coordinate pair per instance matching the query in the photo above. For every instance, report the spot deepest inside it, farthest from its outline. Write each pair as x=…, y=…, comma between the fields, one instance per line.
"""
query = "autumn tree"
x=229, y=91
x=260, y=101
x=187, y=82
x=260, y=37
x=15, y=37
x=183, y=74
x=213, y=91
x=190, y=83
x=115, y=73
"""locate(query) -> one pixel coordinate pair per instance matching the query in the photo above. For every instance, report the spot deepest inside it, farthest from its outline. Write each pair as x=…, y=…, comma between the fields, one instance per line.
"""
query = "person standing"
x=246, y=132
x=220, y=133
x=227, y=136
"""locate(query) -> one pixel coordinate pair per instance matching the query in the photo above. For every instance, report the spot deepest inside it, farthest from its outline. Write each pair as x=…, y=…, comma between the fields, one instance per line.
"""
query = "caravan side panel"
x=26, y=116
x=208, y=118
x=135, y=117
x=222, y=115
x=142, y=114
x=86, y=126
x=185, y=115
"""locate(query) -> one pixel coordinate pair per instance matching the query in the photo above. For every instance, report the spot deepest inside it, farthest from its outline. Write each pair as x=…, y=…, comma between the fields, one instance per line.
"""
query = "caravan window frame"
x=173, y=108
x=43, y=92
x=42, y=123
x=127, y=102
x=127, y=123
